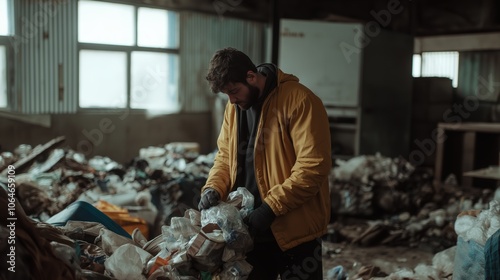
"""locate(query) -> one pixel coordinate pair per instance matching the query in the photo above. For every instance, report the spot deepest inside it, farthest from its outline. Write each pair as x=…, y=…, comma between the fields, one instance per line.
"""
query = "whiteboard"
x=312, y=51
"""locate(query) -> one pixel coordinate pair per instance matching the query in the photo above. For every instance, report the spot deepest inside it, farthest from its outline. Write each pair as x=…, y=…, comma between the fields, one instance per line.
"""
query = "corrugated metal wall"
x=201, y=35
x=479, y=75
x=45, y=50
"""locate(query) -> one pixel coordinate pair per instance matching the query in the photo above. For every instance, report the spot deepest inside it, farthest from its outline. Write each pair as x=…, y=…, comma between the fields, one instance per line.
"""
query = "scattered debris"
x=375, y=201
x=378, y=200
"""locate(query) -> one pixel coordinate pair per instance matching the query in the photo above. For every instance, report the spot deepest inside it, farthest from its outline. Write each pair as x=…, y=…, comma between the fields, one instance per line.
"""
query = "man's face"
x=243, y=95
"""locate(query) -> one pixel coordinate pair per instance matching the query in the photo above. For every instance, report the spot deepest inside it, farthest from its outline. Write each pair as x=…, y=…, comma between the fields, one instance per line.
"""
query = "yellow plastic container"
x=122, y=217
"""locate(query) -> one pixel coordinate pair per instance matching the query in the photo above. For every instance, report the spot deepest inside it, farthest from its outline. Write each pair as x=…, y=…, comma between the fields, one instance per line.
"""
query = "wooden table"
x=467, y=147
x=492, y=172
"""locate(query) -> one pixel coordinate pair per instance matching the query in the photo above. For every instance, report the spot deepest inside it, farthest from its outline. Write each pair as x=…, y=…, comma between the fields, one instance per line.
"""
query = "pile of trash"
x=360, y=185
x=210, y=244
x=397, y=204
x=162, y=182
x=474, y=254
x=399, y=200
x=477, y=246
x=440, y=268
x=152, y=229
x=153, y=198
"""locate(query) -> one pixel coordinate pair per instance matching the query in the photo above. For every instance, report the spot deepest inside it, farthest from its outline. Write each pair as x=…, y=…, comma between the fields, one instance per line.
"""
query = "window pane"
x=103, y=79
x=154, y=81
x=157, y=28
x=440, y=64
x=106, y=23
x=417, y=65
x=4, y=20
x=152, y=28
x=3, y=78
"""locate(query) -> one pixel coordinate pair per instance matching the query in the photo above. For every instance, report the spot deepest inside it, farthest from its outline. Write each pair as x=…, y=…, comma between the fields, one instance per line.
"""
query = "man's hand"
x=260, y=219
x=209, y=198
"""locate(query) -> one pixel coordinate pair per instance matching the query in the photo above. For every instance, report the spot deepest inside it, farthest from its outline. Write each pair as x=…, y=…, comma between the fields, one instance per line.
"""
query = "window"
x=417, y=65
x=3, y=78
x=103, y=79
x=105, y=23
x=151, y=24
x=4, y=18
x=436, y=64
x=152, y=88
x=5, y=29
x=128, y=56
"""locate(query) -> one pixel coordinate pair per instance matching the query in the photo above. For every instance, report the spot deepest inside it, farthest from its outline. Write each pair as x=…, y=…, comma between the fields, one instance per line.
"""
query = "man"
x=275, y=141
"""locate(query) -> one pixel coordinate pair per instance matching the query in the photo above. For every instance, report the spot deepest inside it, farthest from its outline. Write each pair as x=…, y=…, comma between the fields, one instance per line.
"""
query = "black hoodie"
x=248, y=121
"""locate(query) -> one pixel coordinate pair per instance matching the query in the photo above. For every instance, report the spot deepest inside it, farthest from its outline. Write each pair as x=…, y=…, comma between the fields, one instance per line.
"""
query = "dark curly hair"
x=228, y=65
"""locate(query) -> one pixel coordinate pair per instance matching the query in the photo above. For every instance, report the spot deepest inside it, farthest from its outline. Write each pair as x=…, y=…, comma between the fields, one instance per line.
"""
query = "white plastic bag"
x=128, y=263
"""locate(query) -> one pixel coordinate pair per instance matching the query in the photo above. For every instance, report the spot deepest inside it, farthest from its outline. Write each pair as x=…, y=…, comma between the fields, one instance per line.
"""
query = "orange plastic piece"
x=122, y=217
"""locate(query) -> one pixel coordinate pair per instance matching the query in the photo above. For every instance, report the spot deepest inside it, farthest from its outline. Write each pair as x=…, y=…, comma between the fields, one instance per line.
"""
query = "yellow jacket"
x=292, y=161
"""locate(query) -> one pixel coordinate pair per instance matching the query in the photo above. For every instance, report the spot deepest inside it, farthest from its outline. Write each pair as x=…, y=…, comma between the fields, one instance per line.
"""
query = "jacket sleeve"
x=219, y=175
x=309, y=131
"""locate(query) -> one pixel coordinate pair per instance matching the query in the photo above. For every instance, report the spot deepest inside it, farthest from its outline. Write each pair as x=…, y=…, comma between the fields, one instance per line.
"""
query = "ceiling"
x=415, y=17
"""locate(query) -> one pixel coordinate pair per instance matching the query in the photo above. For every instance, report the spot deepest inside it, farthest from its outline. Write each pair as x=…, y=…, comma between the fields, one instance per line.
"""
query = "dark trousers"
x=301, y=262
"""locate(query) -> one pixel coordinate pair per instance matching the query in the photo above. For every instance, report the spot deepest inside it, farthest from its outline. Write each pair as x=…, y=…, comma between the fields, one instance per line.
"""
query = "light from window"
x=417, y=65
x=106, y=23
x=103, y=79
x=4, y=18
x=154, y=81
x=137, y=70
x=440, y=64
x=156, y=28
x=3, y=78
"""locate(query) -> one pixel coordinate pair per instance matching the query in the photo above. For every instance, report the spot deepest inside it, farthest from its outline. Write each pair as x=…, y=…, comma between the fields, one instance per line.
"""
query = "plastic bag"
x=161, y=259
x=68, y=255
x=128, y=262
x=246, y=198
x=228, y=218
x=206, y=248
x=492, y=258
x=92, y=257
x=181, y=262
x=443, y=261
x=481, y=227
x=336, y=273
x=469, y=260
x=194, y=217
x=110, y=241
x=238, y=270
x=178, y=233
x=164, y=273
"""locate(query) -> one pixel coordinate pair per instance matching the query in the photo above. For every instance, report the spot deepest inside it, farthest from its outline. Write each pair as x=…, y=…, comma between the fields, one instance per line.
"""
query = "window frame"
x=128, y=51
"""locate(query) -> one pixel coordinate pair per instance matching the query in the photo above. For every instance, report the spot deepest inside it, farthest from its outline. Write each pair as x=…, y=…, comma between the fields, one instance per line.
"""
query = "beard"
x=253, y=97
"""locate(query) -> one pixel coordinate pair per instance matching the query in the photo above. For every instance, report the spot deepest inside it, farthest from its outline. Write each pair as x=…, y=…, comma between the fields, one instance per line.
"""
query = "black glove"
x=209, y=198
x=260, y=219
